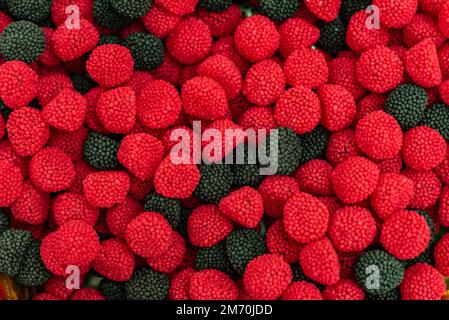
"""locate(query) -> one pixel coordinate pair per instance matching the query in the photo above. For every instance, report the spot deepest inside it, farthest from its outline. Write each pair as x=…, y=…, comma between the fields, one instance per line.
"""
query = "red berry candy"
x=104, y=189
x=18, y=84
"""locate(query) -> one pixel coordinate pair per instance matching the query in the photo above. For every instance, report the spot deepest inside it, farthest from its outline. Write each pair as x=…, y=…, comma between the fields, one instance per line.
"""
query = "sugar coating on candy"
x=344, y=290
x=298, y=108
x=352, y=229
x=355, y=179
x=324, y=10
x=51, y=84
x=379, y=135
x=422, y=282
x=110, y=65
x=420, y=28
x=264, y=83
x=258, y=118
x=341, y=146
x=11, y=183
x=221, y=23
x=66, y=111
x=267, y=277
x=343, y=71
x=302, y=290
x=190, y=41
x=114, y=260
x=71, y=206
x=421, y=63
x=116, y=109
x=51, y=170
x=104, y=189
x=441, y=255
x=393, y=193
x=159, y=21
x=314, y=177
x=303, y=224
x=141, y=154
x=427, y=188
x=405, y=243
x=177, y=7
x=296, y=33
x=319, y=262
x=279, y=242
x=212, y=285
x=370, y=103
x=226, y=47
x=179, y=285
x=176, y=180
x=424, y=148
x=18, y=84
x=256, y=38
x=275, y=191
x=69, y=44
x=204, y=98
x=172, y=259
x=244, y=206
x=306, y=66
x=380, y=69
x=338, y=107
x=206, y=226
x=396, y=14
x=360, y=38
x=32, y=206
x=118, y=217
x=223, y=71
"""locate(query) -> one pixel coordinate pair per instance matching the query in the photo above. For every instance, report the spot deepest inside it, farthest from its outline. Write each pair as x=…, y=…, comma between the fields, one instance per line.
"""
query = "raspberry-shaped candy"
x=421, y=28
x=302, y=290
x=355, y=179
x=319, y=262
x=225, y=72
x=360, y=38
x=141, y=154
x=10, y=182
x=421, y=63
x=118, y=217
x=116, y=109
x=379, y=135
x=298, y=108
x=342, y=146
x=380, y=69
x=32, y=206
x=338, y=107
x=352, y=229
x=393, y=193
x=212, y=285
x=89, y=294
x=405, y=234
x=70, y=142
x=443, y=209
x=149, y=235
x=427, y=188
x=256, y=38
x=71, y=206
x=190, y=41
x=370, y=103
x=344, y=289
x=264, y=83
x=51, y=170
x=279, y=242
x=59, y=7
x=27, y=131
x=267, y=277
x=296, y=33
x=110, y=65
x=226, y=47
x=18, y=84
x=443, y=19
x=158, y=104
x=173, y=258
x=176, y=180
x=71, y=43
x=305, y=218
x=326, y=10
x=179, y=285
x=73, y=244
x=424, y=148
x=66, y=111
x=114, y=261
x=258, y=118
x=204, y=98
x=206, y=226
x=178, y=7
x=51, y=84
x=159, y=21
x=441, y=255
x=244, y=206
x=104, y=189
x=343, y=71
x=306, y=67
x=315, y=177
x=394, y=13
x=275, y=191
x=422, y=282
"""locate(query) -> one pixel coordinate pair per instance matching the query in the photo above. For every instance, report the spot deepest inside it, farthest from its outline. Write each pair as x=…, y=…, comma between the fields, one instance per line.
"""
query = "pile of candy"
x=355, y=92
